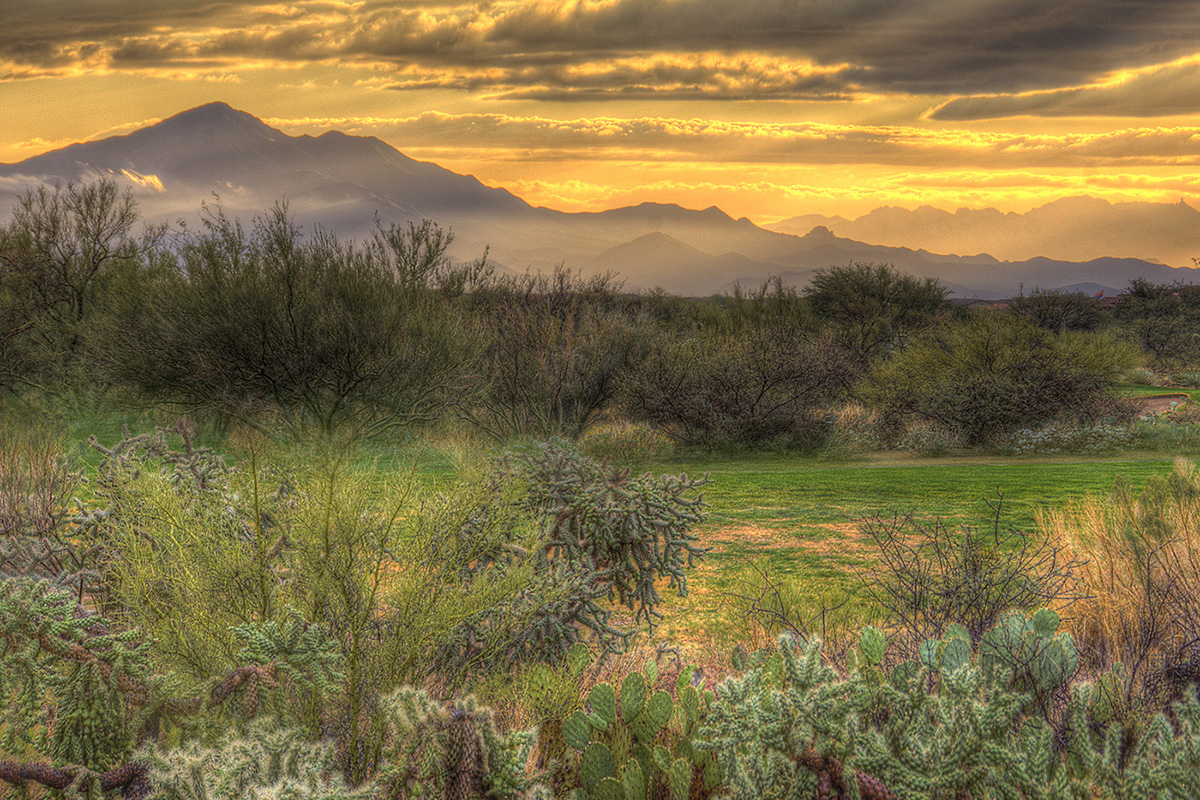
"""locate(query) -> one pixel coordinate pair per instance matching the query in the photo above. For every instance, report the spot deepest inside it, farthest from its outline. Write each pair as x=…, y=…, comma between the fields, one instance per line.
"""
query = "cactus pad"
x=633, y=695
x=603, y=700
x=595, y=765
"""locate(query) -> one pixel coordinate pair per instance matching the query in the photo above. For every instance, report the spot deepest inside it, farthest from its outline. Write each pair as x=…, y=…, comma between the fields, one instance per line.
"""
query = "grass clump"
x=632, y=444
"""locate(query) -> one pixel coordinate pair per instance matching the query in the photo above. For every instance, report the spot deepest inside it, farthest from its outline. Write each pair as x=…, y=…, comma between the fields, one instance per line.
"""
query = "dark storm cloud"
x=49, y=25
x=1170, y=90
x=837, y=48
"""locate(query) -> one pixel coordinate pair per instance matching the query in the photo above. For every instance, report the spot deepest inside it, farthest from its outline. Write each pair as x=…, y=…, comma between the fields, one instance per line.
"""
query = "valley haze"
x=217, y=154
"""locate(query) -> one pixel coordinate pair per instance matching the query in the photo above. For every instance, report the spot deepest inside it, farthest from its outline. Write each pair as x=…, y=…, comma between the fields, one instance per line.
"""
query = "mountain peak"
x=212, y=117
x=820, y=233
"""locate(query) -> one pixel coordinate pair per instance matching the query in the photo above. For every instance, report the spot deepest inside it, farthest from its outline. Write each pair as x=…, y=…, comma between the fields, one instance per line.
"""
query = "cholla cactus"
x=64, y=677
x=791, y=727
x=453, y=751
x=605, y=537
x=1163, y=763
x=299, y=657
x=952, y=724
x=268, y=763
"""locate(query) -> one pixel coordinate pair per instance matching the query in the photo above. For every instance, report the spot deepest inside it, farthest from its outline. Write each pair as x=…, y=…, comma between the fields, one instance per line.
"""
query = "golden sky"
x=766, y=108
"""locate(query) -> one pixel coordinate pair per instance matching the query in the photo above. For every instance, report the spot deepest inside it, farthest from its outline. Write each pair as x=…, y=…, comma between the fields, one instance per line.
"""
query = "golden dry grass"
x=1141, y=561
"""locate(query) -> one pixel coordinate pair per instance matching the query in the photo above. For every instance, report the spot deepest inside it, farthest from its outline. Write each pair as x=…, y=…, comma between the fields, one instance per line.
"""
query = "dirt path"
x=1159, y=403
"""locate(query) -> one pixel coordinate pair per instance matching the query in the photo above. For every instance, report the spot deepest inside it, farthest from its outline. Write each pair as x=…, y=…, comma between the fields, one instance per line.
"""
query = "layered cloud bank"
x=842, y=105
x=616, y=48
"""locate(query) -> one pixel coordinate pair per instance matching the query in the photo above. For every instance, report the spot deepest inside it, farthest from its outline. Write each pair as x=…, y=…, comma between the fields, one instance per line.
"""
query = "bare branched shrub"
x=930, y=576
x=558, y=347
x=768, y=605
x=36, y=482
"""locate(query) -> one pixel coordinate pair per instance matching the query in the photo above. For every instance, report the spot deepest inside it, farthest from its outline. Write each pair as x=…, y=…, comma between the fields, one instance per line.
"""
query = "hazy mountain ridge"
x=1069, y=229
x=344, y=183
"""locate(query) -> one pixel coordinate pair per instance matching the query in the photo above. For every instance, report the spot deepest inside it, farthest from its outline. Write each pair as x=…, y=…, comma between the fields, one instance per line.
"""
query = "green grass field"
x=798, y=519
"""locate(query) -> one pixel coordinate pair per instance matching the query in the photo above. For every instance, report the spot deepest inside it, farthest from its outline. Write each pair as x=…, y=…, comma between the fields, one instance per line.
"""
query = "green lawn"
x=799, y=519
x=1145, y=390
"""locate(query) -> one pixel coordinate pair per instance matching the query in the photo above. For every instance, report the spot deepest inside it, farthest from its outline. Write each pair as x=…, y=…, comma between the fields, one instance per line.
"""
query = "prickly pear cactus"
x=1028, y=654
x=552, y=693
x=949, y=654
x=637, y=743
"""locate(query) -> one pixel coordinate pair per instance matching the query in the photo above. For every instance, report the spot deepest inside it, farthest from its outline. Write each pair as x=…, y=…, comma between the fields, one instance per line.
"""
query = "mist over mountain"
x=216, y=154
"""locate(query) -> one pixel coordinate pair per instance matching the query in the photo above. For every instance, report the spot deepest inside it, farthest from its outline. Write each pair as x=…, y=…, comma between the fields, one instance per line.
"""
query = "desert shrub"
x=556, y=350
x=751, y=387
x=1145, y=377
x=631, y=444
x=510, y=566
x=992, y=374
x=1140, y=605
x=1057, y=311
x=278, y=330
x=62, y=256
x=1189, y=378
x=37, y=482
x=762, y=603
x=1161, y=318
x=929, y=577
x=874, y=309
x=855, y=429
x=928, y=438
x=1164, y=433
x=194, y=557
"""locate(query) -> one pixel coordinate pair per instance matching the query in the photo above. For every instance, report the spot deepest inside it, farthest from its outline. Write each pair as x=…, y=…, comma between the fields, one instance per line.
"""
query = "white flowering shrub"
x=1104, y=437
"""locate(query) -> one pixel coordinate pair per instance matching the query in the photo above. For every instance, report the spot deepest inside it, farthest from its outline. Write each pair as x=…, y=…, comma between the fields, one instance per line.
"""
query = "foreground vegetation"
x=357, y=521
x=305, y=623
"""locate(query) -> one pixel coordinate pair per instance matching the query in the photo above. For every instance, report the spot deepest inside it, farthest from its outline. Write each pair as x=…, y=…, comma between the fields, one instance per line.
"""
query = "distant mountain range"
x=344, y=183
x=1072, y=228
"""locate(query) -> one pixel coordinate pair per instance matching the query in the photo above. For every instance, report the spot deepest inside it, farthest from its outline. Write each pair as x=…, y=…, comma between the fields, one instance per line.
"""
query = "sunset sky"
x=766, y=108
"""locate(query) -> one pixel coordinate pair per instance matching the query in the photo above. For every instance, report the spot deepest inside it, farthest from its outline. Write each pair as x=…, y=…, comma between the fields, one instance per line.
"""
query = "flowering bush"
x=928, y=439
x=1104, y=437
